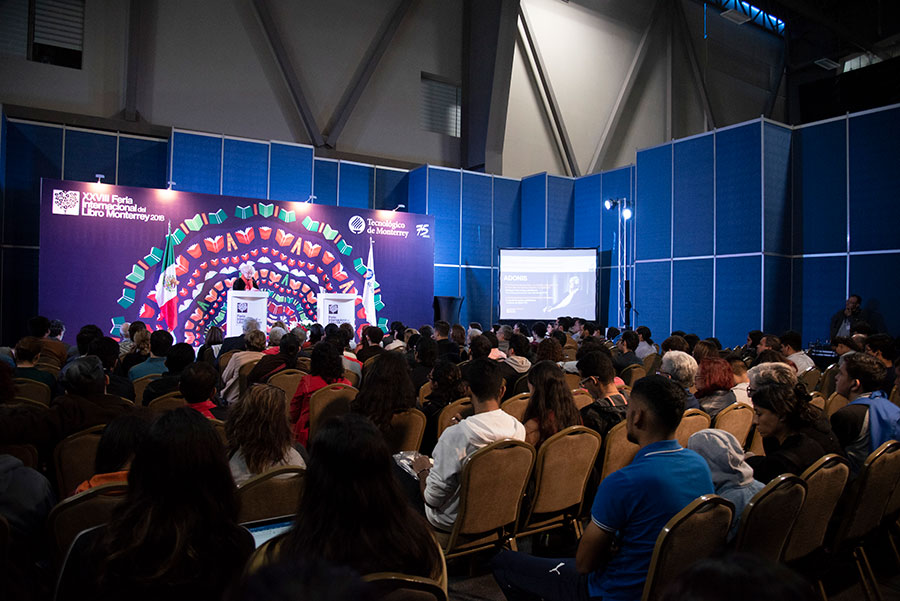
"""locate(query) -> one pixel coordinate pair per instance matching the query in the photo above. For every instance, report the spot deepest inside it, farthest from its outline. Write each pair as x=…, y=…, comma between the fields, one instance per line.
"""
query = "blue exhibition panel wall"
x=418, y=190
x=290, y=171
x=777, y=308
x=88, y=154
x=477, y=213
x=874, y=277
x=738, y=189
x=560, y=212
x=196, y=162
x=588, y=205
x=477, y=287
x=534, y=211
x=651, y=292
x=356, y=185
x=507, y=206
x=142, y=162
x=653, y=206
x=693, y=198
x=738, y=298
x=325, y=181
x=819, y=290
x=776, y=188
x=245, y=168
x=33, y=151
x=391, y=188
x=444, y=204
x=819, y=165
x=692, y=297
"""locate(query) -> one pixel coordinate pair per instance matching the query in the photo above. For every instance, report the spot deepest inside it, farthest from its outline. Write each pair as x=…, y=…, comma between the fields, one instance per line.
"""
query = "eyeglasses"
x=663, y=373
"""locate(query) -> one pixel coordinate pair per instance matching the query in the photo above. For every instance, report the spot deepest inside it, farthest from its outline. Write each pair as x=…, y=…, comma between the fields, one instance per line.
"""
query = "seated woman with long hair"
x=120, y=439
x=447, y=385
x=139, y=352
x=551, y=407
x=386, y=389
x=549, y=349
x=782, y=417
x=209, y=350
x=352, y=511
x=326, y=367
x=714, y=380
x=258, y=433
x=175, y=536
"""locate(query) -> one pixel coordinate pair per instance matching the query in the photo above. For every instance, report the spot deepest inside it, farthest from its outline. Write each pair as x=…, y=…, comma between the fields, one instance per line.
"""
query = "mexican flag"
x=167, y=286
x=368, y=297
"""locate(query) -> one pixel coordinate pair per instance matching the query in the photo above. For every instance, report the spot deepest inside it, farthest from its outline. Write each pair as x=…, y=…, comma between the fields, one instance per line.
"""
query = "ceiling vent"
x=736, y=16
x=827, y=64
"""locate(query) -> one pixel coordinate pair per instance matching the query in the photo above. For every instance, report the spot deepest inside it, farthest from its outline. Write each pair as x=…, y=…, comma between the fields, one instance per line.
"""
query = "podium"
x=242, y=305
x=447, y=308
x=336, y=308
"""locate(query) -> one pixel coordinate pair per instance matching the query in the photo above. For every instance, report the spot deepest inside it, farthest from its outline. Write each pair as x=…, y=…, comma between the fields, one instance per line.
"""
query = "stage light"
x=400, y=206
x=608, y=204
x=100, y=177
x=170, y=185
x=626, y=213
x=311, y=199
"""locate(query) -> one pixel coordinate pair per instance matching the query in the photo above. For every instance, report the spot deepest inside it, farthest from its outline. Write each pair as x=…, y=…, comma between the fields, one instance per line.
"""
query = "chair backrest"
x=74, y=458
x=352, y=377
x=652, y=363
x=736, y=419
x=243, y=372
x=219, y=426
x=755, y=445
x=271, y=494
x=810, y=378
x=573, y=381
x=407, y=429
x=485, y=507
x=562, y=469
x=696, y=532
x=304, y=364
x=140, y=384
x=768, y=518
x=825, y=481
x=462, y=406
x=32, y=389
x=870, y=494
x=329, y=401
x=692, y=421
x=817, y=401
x=895, y=395
x=521, y=385
x=826, y=383
x=632, y=374
x=617, y=450
x=167, y=402
x=90, y=508
x=516, y=405
x=424, y=391
x=288, y=380
x=26, y=453
x=394, y=586
x=570, y=353
x=582, y=398
x=224, y=358
x=835, y=402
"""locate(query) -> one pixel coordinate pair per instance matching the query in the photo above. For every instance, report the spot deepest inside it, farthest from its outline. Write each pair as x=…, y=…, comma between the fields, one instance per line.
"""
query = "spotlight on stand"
x=626, y=213
x=400, y=206
x=100, y=177
x=609, y=203
x=311, y=199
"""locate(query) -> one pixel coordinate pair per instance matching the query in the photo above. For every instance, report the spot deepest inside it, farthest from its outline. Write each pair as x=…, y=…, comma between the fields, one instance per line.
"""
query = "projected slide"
x=546, y=283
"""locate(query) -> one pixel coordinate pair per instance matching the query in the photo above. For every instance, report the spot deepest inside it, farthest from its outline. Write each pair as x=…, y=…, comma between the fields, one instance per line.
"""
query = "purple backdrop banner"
x=101, y=248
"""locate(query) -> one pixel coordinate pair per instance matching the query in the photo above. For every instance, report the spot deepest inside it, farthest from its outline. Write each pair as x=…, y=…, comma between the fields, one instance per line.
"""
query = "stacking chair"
x=243, y=372
x=26, y=453
x=304, y=364
x=811, y=378
x=32, y=389
x=864, y=509
x=825, y=482
x=895, y=395
x=632, y=373
x=167, y=402
x=288, y=380
x=74, y=458
x=521, y=385
x=48, y=364
x=562, y=470
x=407, y=429
x=90, y=508
x=424, y=391
x=224, y=359
x=582, y=398
x=826, y=384
x=768, y=518
x=692, y=422
x=516, y=406
x=756, y=443
x=219, y=425
x=140, y=385
x=652, y=363
x=834, y=403
x=617, y=450
x=272, y=494
x=352, y=377
x=696, y=532
x=461, y=406
x=573, y=381
x=818, y=401
x=736, y=419
x=570, y=352
x=487, y=512
x=394, y=586
x=329, y=401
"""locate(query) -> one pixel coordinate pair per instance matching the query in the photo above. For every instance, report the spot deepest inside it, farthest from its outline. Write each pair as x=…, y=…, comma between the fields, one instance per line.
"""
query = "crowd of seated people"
x=360, y=494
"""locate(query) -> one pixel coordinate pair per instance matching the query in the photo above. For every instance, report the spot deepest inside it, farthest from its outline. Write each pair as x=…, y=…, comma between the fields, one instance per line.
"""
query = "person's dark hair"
x=198, y=382
x=591, y=345
x=862, y=327
x=773, y=342
x=29, y=347
x=678, y=333
x=85, y=336
x=663, y=397
x=414, y=339
x=565, y=322
x=867, y=369
x=347, y=332
x=715, y=374
x=590, y=327
x=289, y=346
x=326, y=362
x=56, y=327
x=85, y=376
x=539, y=329
x=374, y=335
x=786, y=401
x=519, y=345
x=715, y=342
x=312, y=578
x=793, y=339
x=597, y=364
x=692, y=340
x=521, y=327
x=38, y=326
x=858, y=299
x=180, y=510
x=258, y=428
x=492, y=338
x=704, y=349
x=485, y=379
x=612, y=332
x=738, y=577
x=769, y=356
x=549, y=349
x=551, y=402
x=255, y=340
x=331, y=329
x=738, y=367
x=476, y=325
x=846, y=341
x=426, y=331
x=480, y=346
x=397, y=330
x=675, y=343
x=755, y=337
x=160, y=343
x=644, y=332
x=107, y=349
x=120, y=440
x=386, y=389
x=630, y=339
x=214, y=336
x=135, y=327
x=458, y=334
x=426, y=351
x=316, y=333
x=447, y=384
x=351, y=494
x=441, y=328
x=883, y=343
x=179, y=356
x=560, y=337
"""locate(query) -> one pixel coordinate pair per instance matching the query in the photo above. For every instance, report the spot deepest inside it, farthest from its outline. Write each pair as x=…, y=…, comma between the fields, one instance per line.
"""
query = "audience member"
x=275, y=336
x=516, y=363
x=627, y=344
x=842, y=345
x=538, y=332
x=881, y=346
x=440, y=484
x=549, y=349
x=458, y=337
x=704, y=349
x=425, y=355
x=386, y=390
x=178, y=358
x=714, y=381
x=610, y=405
x=503, y=335
x=269, y=365
x=851, y=315
x=301, y=580
x=258, y=434
x=674, y=343
x=239, y=343
x=128, y=330
x=119, y=442
x=551, y=407
x=495, y=352
x=107, y=350
x=140, y=352
x=198, y=386
x=769, y=342
x=692, y=340
x=176, y=534
x=731, y=475
x=772, y=356
x=645, y=346
x=682, y=369
x=371, y=341
x=445, y=345
x=447, y=385
x=325, y=368
x=749, y=349
x=792, y=348
x=54, y=349
x=612, y=333
x=28, y=352
x=479, y=348
x=255, y=343
x=631, y=507
x=741, y=380
x=160, y=343
x=86, y=335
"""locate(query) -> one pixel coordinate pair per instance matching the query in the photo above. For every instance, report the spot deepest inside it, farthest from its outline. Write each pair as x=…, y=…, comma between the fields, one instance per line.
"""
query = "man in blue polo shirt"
x=631, y=507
